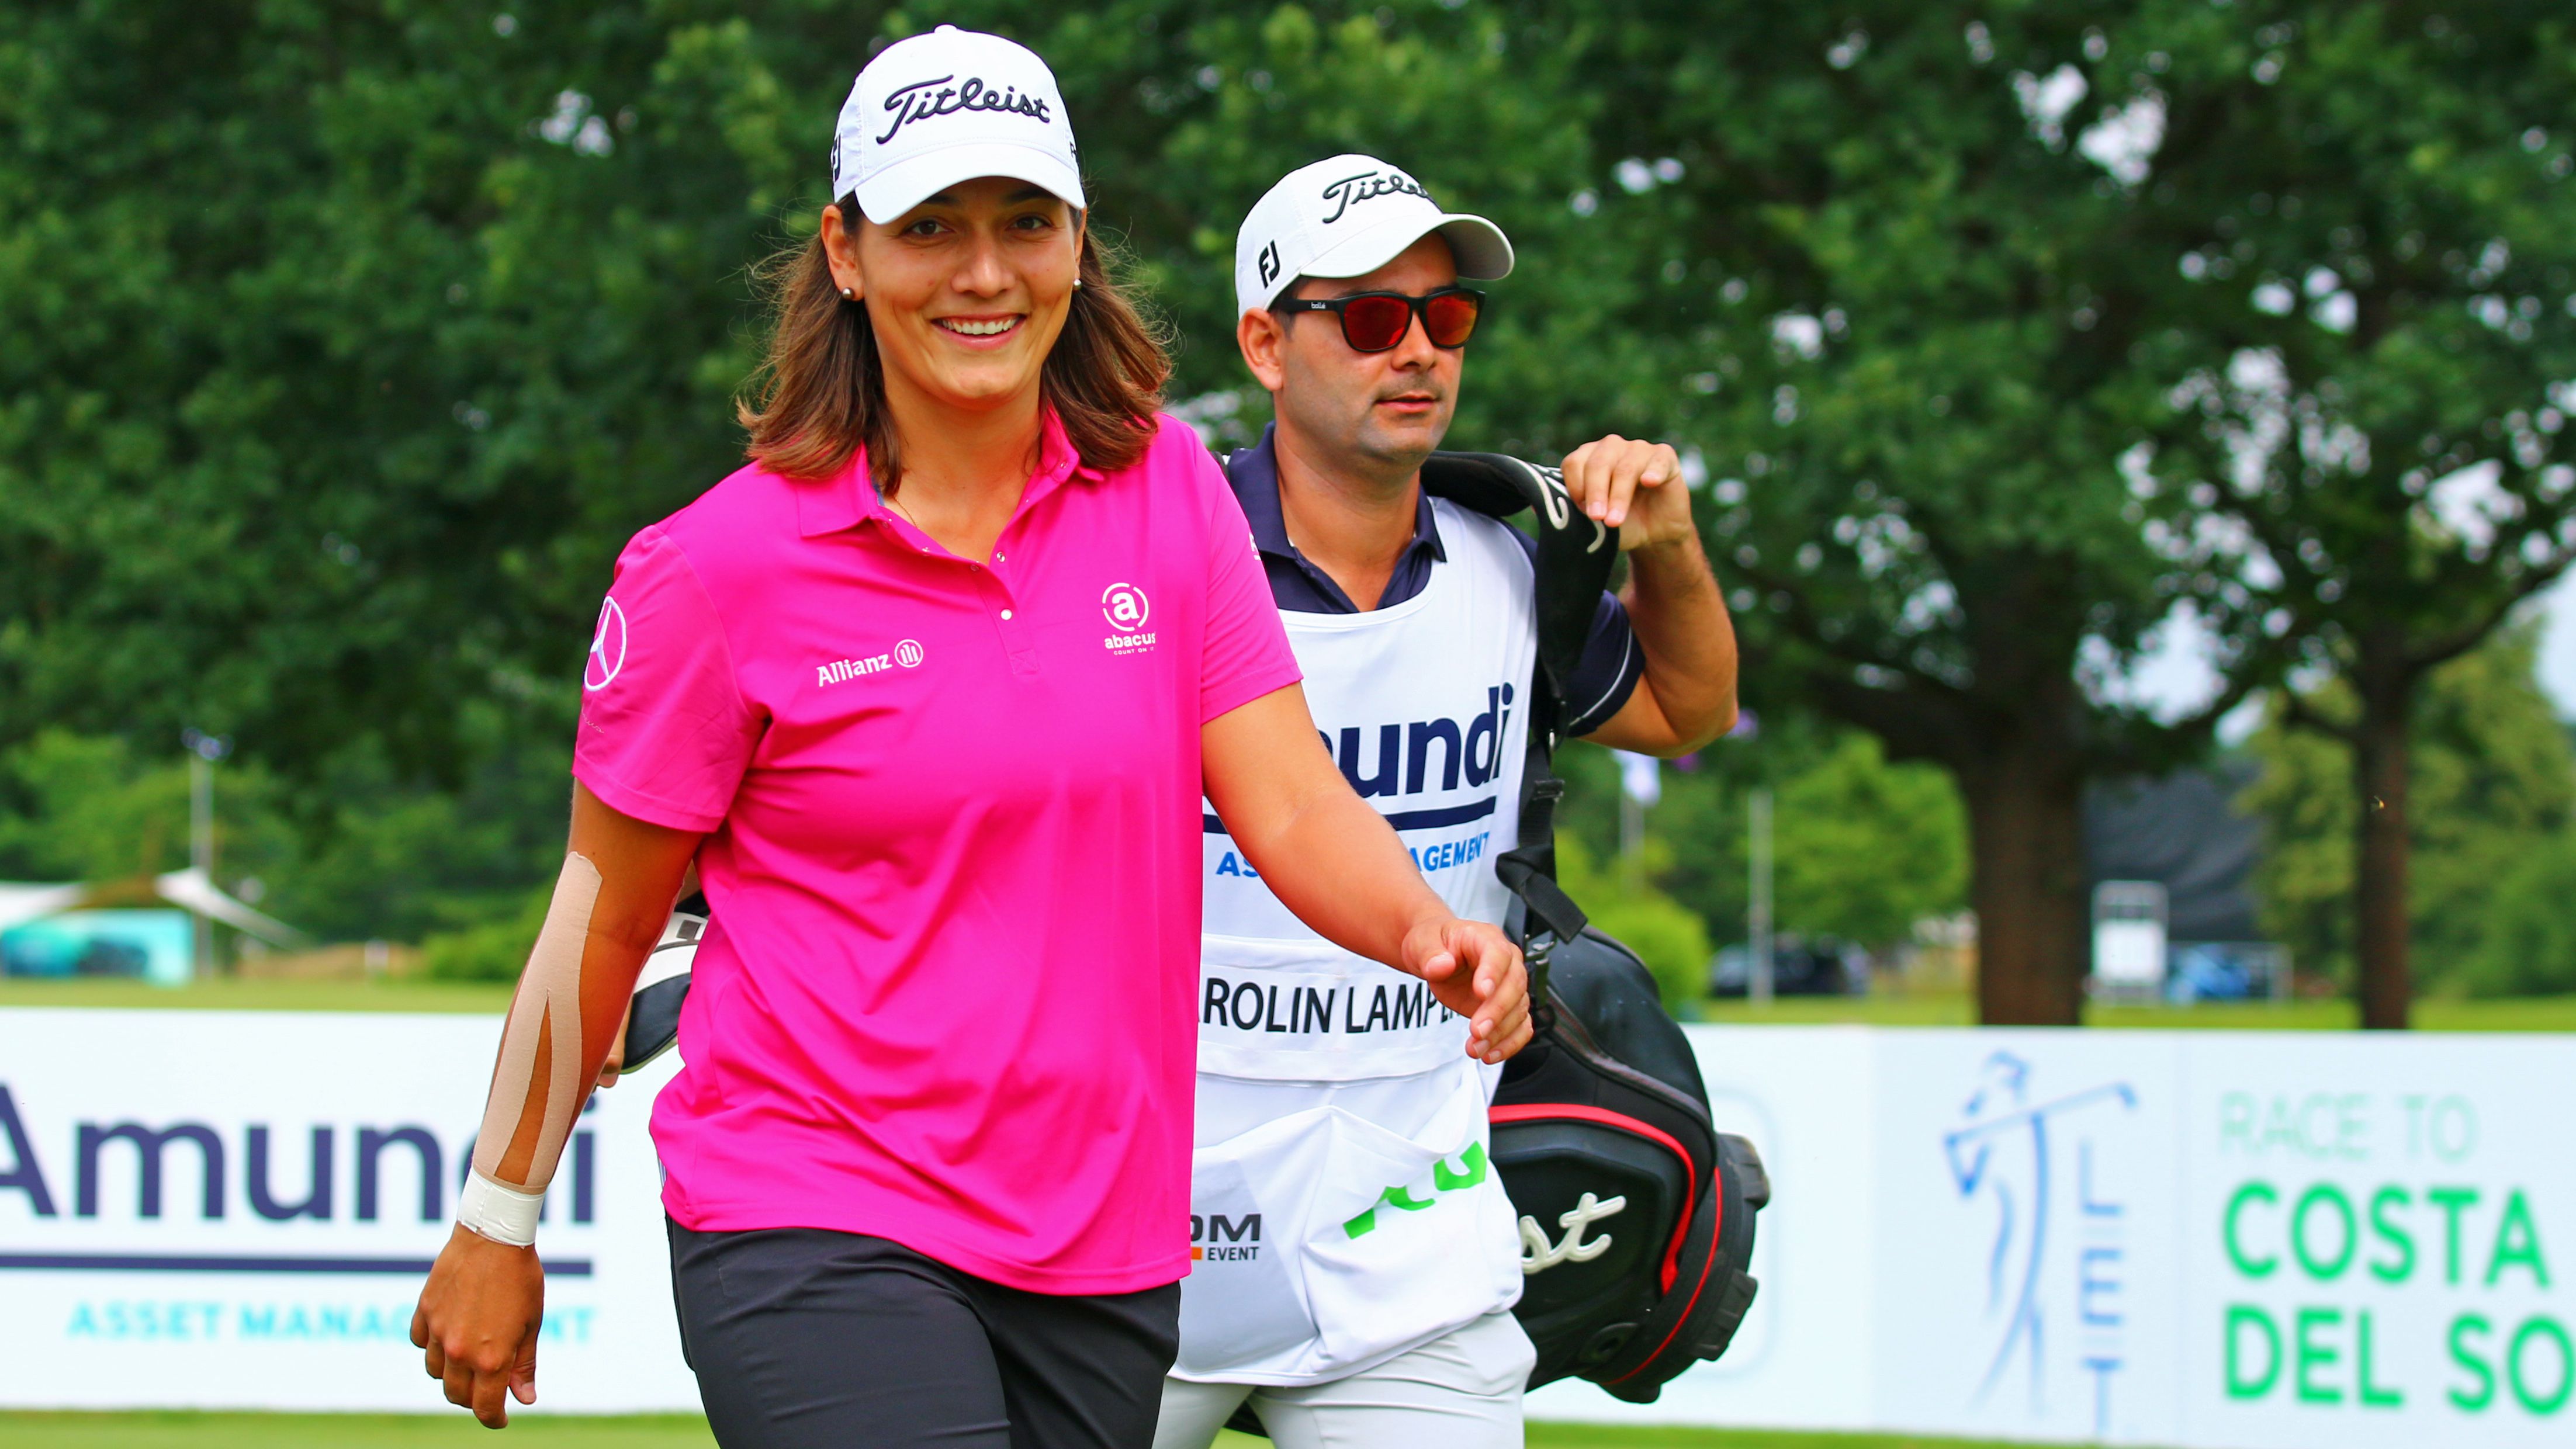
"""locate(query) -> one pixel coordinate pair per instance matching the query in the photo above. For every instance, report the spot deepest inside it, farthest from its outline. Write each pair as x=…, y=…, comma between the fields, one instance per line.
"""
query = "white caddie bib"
x=1343, y=1209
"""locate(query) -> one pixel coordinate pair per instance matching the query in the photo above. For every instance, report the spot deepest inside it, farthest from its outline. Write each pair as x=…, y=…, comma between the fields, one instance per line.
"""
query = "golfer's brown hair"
x=820, y=395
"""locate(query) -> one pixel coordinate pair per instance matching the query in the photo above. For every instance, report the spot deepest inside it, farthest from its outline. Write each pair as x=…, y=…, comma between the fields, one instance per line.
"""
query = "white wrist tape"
x=503, y=1214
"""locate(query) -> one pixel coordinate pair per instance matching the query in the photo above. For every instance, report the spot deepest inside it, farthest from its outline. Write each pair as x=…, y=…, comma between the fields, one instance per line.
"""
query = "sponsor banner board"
x=218, y=1209
x=2239, y=1240
x=2221, y=1239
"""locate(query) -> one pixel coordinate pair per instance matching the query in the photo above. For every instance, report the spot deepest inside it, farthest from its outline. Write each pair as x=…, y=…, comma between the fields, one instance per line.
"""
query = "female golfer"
x=930, y=691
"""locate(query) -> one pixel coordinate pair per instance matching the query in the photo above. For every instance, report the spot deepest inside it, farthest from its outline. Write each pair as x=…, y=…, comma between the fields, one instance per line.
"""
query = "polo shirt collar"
x=849, y=497
x=1256, y=478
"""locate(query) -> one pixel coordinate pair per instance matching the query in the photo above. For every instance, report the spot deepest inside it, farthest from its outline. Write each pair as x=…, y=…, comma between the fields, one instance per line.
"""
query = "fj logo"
x=1270, y=264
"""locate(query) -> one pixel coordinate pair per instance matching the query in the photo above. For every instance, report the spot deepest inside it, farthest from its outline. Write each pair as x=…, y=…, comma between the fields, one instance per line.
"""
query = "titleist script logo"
x=923, y=100
x=907, y=654
x=1369, y=186
x=1538, y=1254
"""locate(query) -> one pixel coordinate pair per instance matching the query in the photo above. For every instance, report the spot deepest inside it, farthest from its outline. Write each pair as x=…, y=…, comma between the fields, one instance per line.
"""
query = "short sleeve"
x=1247, y=653
x=665, y=735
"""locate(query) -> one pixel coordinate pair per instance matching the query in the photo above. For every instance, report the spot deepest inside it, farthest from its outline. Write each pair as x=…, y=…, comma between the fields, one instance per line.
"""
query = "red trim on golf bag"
x=1557, y=1111
x=1718, y=1201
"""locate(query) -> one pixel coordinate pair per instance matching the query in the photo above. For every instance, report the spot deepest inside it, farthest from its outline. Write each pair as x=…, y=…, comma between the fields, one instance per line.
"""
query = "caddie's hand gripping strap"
x=1573, y=567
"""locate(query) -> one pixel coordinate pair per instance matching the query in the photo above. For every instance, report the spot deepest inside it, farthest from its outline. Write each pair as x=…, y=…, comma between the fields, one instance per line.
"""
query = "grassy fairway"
x=2556, y=1013
x=423, y=1431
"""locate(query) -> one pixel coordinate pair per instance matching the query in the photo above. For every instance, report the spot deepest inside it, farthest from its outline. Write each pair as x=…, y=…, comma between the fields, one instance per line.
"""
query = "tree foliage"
x=2383, y=423
x=2495, y=792
x=344, y=345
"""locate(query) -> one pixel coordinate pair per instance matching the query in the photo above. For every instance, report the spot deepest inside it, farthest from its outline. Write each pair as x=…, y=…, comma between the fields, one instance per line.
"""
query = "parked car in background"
x=1824, y=966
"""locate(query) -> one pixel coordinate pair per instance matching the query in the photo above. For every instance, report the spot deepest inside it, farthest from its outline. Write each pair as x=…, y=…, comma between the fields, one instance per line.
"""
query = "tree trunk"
x=2384, y=982
x=2026, y=843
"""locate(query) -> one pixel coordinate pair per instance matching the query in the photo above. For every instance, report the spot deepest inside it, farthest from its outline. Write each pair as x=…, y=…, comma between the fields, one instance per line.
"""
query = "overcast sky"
x=2176, y=679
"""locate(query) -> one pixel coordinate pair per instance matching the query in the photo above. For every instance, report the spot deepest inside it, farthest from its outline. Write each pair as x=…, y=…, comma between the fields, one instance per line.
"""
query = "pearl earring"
x=1077, y=284
x=848, y=295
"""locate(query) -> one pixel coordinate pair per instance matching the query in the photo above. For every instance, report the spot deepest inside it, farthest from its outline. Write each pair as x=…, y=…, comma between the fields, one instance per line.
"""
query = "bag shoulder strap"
x=1573, y=566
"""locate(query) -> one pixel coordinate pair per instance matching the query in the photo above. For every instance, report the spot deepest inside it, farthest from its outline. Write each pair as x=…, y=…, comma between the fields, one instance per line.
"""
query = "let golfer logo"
x=1127, y=610
x=607, y=647
x=2011, y=1153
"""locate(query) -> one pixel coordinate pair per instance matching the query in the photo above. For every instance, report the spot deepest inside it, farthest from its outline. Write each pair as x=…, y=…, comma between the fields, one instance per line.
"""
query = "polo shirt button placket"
x=1016, y=641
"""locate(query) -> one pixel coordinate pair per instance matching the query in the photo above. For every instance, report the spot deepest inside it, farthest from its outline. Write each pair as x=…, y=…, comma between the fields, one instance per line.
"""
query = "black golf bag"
x=1636, y=1213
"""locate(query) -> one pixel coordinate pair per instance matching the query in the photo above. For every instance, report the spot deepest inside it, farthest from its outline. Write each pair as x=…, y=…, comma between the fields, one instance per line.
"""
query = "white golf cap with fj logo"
x=1347, y=217
x=947, y=107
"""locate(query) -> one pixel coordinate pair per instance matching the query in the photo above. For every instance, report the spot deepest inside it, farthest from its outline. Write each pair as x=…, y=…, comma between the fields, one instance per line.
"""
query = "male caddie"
x=1356, y=1259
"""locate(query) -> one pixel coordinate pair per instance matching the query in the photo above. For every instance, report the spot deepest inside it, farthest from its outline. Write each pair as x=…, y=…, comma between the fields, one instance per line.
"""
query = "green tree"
x=1620, y=898
x=2530, y=945
x=1952, y=286
x=1862, y=849
x=2383, y=420
x=2495, y=783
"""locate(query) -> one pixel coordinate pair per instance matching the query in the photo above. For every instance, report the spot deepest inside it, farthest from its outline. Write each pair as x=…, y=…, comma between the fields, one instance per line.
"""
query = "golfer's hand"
x=1633, y=486
x=1475, y=971
x=477, y=1324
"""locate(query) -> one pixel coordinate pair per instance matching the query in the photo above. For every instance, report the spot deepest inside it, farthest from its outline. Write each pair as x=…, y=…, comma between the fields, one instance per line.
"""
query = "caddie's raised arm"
x=477, y=1318
x=1685, y=696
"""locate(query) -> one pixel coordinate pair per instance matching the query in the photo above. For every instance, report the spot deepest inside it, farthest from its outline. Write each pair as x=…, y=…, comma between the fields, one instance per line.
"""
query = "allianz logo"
x=108, y=1159
x=1404, y=753
x=908, y=654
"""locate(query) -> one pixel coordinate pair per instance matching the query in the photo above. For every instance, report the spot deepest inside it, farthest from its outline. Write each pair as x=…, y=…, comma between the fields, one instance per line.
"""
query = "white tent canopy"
x=21, y=902
x=191, y=890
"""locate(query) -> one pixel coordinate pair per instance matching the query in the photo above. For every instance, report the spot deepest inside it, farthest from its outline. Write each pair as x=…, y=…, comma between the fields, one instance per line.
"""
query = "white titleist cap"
x=946, y=107
x=1347, y=217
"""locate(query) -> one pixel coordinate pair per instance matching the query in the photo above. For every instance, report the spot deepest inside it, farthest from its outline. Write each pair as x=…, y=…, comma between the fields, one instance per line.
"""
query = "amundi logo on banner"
x=177, y=1171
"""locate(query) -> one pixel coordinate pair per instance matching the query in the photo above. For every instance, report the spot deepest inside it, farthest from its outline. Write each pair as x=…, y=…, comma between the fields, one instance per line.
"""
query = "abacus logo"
x=1124, y=606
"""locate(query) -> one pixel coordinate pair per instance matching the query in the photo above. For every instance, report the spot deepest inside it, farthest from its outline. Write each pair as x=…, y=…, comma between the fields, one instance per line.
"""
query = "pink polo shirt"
x=954, y=851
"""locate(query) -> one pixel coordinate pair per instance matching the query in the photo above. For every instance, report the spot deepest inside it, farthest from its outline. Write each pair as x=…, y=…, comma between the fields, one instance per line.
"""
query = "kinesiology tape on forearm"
x=538, y=1084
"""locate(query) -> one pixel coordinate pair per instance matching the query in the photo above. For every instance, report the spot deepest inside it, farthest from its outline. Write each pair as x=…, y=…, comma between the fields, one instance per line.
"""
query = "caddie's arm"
x=480, y=1311
x=1687, y=696
x=1337, y=864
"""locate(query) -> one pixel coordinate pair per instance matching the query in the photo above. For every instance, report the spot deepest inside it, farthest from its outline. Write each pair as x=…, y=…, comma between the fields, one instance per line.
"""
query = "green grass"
x=677, y=1431
x=2549, y=1013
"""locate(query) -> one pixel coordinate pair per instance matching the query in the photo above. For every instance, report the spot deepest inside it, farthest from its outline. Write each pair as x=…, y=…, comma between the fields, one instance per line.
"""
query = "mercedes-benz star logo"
x=607, y=647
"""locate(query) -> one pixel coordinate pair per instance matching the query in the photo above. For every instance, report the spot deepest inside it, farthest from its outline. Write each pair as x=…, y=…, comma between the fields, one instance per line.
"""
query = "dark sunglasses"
x=1377, y=321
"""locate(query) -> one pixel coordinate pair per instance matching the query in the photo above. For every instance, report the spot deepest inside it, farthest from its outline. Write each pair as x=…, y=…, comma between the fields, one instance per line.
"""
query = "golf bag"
x=1637, y=1214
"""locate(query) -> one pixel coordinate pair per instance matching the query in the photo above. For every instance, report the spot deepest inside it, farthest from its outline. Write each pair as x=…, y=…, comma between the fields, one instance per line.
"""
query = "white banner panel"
x=237, y=1209
x=2210, y=1239
x=2225, y=1240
